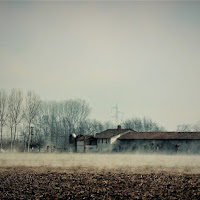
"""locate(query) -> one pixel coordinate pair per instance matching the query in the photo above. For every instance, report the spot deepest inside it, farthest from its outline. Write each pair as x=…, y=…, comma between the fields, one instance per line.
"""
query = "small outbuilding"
x=83, y=144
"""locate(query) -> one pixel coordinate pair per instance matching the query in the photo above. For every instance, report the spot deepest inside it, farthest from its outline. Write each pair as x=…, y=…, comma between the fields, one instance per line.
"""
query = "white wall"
x=80, y=146
x=104, y=147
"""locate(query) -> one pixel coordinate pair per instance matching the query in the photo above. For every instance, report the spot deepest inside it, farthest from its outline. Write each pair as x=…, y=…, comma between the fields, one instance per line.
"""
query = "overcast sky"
x=142, y=56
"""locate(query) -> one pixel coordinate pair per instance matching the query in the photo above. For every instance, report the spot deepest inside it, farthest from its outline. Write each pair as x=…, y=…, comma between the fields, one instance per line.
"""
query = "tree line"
x=27, y=122
x=143, y=125
x=15, y=109
x=189, y=127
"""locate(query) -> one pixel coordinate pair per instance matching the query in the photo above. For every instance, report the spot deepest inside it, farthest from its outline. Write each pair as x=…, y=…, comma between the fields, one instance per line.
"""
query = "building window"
x=106, y=140
x=102, y=140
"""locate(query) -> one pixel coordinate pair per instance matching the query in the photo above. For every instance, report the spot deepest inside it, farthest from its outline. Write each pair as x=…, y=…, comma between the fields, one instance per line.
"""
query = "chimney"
x=119, y=127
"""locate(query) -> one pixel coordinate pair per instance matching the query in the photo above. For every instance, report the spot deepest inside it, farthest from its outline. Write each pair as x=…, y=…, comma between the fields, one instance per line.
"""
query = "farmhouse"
x=127, y=140
x=107, y=140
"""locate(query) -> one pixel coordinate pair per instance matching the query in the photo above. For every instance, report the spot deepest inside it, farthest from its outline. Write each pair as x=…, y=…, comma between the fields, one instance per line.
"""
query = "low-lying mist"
x=120, y=162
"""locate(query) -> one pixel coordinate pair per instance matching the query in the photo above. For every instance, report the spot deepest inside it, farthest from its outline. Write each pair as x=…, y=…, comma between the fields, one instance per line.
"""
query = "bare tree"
x=31, y=111
x=15, y=112
x=3, y=112
x=51, y=121
x=196, y=126
x=90, y=127
x=189, y=127
x=18, y=110
x=143, y=124
x=10, y=121
x=60, y=119
x=184, y=128
x=75, y=112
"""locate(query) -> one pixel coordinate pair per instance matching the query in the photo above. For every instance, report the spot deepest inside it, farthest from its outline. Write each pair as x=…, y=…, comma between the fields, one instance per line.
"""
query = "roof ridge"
x=161, y=135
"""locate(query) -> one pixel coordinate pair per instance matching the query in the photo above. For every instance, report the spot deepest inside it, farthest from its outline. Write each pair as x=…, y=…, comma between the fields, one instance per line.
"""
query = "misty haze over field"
x=142, y=56
x=140, y=163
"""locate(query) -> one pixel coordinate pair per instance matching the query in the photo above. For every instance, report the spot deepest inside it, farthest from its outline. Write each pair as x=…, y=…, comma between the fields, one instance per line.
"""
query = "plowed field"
x=98, y=180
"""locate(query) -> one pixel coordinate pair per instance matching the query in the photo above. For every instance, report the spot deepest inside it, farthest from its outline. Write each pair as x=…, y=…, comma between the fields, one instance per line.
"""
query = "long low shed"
x=166, y=142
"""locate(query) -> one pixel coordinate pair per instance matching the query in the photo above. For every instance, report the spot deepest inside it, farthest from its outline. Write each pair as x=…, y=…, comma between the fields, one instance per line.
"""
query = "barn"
x=161, y=142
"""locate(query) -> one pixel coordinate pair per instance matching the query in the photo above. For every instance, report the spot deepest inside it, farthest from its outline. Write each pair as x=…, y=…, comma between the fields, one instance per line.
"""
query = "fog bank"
x=119, y=162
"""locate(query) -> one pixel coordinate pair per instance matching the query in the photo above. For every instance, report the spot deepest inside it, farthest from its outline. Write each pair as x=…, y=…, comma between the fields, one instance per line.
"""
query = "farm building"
x=100, y=142
x=107, y=140
x=86, y=143
x=162, y=142
x=127, y=140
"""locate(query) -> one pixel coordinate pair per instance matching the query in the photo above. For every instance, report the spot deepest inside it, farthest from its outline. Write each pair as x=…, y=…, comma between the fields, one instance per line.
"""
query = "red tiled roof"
x=110, y=133
x=84, y=137
x=160, y=135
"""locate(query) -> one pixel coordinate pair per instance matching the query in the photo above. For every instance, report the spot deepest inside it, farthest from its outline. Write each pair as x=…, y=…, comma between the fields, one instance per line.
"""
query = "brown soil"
x=88, y=183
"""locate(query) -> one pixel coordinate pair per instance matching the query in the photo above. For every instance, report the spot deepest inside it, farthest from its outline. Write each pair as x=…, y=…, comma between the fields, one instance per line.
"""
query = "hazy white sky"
x=143, y=56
